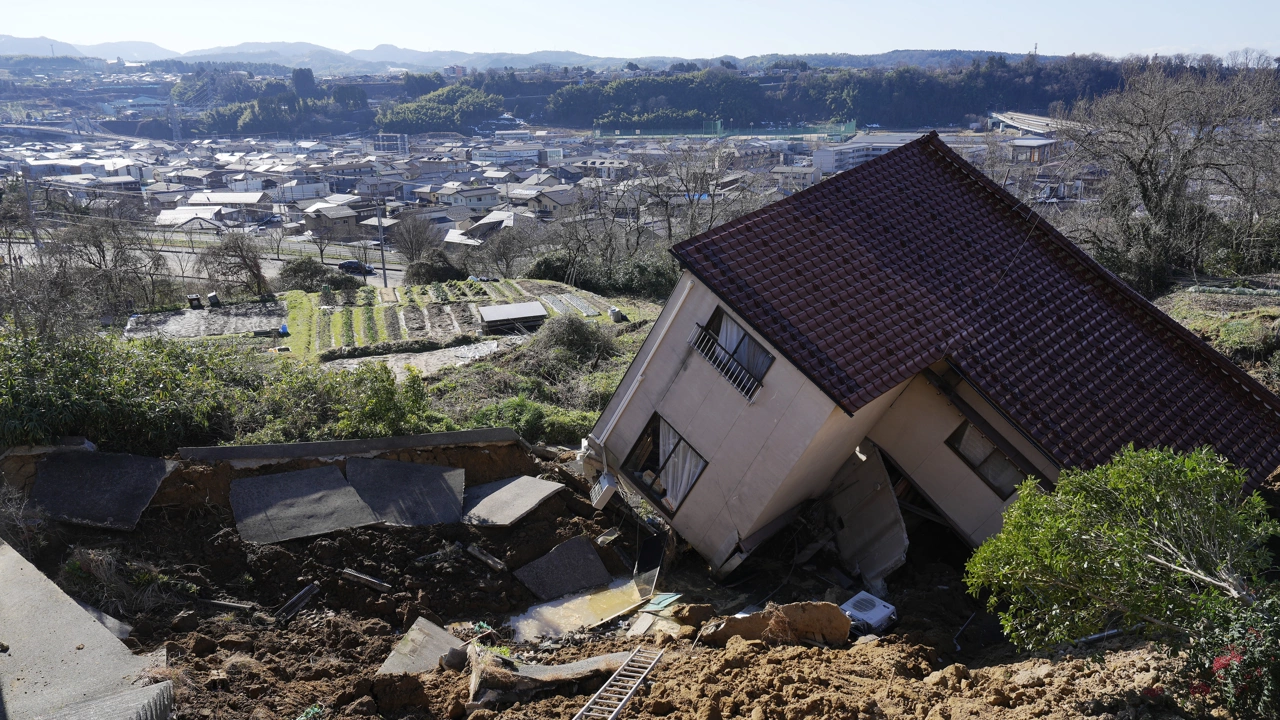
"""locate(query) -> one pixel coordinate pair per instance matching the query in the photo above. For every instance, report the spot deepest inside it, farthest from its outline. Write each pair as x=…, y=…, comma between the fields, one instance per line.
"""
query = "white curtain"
x=667, y=439
x=730, y=334
x=754, y=358
x=682, y=469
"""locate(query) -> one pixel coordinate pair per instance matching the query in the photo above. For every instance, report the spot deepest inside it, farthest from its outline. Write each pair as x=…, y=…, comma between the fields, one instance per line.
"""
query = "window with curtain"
x=990, y=464
x=664, y=463
x=733, y=351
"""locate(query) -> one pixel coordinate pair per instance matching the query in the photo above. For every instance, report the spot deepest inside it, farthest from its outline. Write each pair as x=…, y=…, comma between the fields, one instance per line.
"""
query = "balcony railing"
x=710, y=348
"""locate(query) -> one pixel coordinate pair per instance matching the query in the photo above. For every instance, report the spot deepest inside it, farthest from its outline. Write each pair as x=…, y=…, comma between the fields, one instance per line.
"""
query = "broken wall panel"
x=408, y=494
x=303, y=503
x=571, y=566
x=870, y=533
x=420, y=649
x=108, y=490
x=504, y=502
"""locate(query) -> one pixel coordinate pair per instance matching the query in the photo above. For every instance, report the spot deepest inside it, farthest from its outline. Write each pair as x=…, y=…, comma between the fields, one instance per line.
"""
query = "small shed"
x=516, y=317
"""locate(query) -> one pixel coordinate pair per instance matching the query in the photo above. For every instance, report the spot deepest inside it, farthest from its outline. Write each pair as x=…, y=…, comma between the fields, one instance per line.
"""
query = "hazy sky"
x=689, y=28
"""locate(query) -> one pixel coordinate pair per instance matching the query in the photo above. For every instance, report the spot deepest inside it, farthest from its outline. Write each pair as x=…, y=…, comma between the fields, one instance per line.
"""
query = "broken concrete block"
x=421, y=649
x=366, y=580
x=814, y=621
x=303, y=503
x=571, y=566
x=60, y=659
x=408, y=494
x=499, y=680
x=107, y=490
x=504, y=502
x=150, y=702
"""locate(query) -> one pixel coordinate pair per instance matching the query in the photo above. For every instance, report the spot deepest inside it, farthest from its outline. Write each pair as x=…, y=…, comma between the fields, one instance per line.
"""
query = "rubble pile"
x=433, y=622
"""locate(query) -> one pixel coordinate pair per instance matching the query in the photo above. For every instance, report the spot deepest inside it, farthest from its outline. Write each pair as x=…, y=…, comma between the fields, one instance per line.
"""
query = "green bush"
x=433, y=267
x=651, y=275
x=310, y=276
x=537, y=422
x=390, y=347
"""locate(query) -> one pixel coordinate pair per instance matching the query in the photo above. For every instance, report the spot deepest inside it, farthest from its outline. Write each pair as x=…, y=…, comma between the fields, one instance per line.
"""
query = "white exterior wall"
x=914, y=433
x=763, y=457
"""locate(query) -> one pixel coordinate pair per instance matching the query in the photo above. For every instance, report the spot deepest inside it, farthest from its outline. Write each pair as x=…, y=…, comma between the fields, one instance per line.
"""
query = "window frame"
x=712, y=330
x=995, y=449
x=637, y=479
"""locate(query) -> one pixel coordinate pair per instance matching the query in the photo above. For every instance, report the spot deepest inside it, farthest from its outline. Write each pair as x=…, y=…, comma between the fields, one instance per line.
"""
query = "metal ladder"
x=609, y=700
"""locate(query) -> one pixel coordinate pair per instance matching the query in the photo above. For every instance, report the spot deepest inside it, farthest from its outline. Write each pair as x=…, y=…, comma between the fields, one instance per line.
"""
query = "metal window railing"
x=722, y=359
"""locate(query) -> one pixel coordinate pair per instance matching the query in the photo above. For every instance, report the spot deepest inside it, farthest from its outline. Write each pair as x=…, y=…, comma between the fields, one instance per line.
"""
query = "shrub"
x=1237, y=657
x=537, y=422
x=391, y=347
x=651, y=275
x=310, y=276
x=567, y=345
x=434, y=267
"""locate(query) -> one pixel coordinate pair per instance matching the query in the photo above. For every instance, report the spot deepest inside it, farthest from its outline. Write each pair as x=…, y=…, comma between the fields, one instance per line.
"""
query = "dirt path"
x=428, y=363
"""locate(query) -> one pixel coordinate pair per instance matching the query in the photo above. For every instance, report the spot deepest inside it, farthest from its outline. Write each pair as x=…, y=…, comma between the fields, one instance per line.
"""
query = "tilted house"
x=906, y=327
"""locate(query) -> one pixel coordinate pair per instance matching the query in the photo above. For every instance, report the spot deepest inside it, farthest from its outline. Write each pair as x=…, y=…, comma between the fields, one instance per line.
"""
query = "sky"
x=685, y=28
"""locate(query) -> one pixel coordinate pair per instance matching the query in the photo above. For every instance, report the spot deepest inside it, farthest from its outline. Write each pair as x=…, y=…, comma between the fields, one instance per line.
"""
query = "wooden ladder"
x=609, y=700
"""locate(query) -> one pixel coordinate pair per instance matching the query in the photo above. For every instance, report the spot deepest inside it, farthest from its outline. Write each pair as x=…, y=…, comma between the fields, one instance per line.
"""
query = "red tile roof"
x=864, y=280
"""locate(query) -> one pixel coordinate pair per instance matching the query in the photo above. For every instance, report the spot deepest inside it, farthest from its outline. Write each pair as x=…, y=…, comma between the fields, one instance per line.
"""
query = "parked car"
x=355, y=267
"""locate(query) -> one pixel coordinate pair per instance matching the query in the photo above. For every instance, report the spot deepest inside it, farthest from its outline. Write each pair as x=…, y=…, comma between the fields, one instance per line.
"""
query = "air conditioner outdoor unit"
x=602, y=490
x=869, y=613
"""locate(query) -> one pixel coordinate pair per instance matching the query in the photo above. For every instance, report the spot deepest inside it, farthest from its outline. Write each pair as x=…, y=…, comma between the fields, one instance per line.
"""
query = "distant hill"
x=10, y=45
x=132, y=51
x=377, y=60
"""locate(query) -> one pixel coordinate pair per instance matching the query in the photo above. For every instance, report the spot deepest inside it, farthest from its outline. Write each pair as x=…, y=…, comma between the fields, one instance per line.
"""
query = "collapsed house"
x=905, y=328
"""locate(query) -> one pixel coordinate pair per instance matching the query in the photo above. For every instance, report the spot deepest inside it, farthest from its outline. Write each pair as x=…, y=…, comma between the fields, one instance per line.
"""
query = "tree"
x=1164, y=144
x=310, y=276
x=351, y=97
x=235, y=262
x=433, y=267
x=416, y=85
x=304, y=82
x=505, y=251
x=414, y=235
x=1145, y=538
x=321, y=240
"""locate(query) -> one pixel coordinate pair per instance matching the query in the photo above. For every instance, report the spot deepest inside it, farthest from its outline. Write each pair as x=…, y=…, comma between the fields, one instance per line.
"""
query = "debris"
x=365, y=580
x=314, y=711
x=408, y=494
x=608, y=536
x=571, y=566
x=695, y=615
x=614, y=695
x=498, y=680
x=505, y=501
x=185, y=621
x=602, y=490
x=422, y=649
x=228, y=605
x=447, y=552
x=107, y=490
x=296, y=603
x=661, y=601
x=817, y=621
x=120, y=629
x=871, y=613
x=271, y=508
x=484, y=557
x=42, y=673
x=573, y=612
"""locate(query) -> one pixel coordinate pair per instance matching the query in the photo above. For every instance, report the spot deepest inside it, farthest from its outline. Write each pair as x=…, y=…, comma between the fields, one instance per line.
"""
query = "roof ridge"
x=1131, y=296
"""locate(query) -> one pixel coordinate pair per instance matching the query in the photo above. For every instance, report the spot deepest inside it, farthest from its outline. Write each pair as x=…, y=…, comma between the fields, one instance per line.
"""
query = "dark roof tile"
x=866, y=279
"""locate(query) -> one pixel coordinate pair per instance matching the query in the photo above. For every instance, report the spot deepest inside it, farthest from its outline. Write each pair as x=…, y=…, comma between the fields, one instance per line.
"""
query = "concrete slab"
x=107, y=490
x=420, y=649
x=152, y=702
x=577, y=611
x=571, y=566
x=58, y=655
x=505, y=501
x=410, y=494
x=303, y=503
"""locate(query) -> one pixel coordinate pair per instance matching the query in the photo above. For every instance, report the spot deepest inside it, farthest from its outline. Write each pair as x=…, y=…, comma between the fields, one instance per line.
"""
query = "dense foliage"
x=904, y=96
x=309, y=275
x=1154, y=538
x=452, y=109
x=650, y=274
x=434, y=266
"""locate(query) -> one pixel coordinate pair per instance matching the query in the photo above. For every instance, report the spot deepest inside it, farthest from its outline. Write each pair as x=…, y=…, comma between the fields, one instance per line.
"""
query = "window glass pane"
x=682, y=469
x=1003, y=475
x=972, y=445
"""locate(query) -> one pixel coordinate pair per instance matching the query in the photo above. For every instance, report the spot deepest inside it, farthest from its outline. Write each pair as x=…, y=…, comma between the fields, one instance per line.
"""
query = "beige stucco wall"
x=763, y=457
x=913, y=431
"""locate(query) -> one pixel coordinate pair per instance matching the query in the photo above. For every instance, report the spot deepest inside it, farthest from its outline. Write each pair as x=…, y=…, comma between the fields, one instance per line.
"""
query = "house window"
x=738, y=357
x=664, y=464
x=989, y=463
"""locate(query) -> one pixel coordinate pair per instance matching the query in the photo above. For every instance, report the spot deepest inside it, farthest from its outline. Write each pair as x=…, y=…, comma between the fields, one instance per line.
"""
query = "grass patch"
x=301, y=322
x=347, y=330
x=324, y=329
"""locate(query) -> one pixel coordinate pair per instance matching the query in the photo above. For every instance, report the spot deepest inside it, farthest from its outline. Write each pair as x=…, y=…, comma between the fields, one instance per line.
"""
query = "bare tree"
x=235, y=262
x=275, y=240
x=414, y=235
x=1167, y=144
x=322, y=240
x=505, y=252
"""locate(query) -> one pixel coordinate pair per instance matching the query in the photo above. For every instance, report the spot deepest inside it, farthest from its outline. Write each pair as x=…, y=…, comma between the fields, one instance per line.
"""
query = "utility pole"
x=382, y=242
